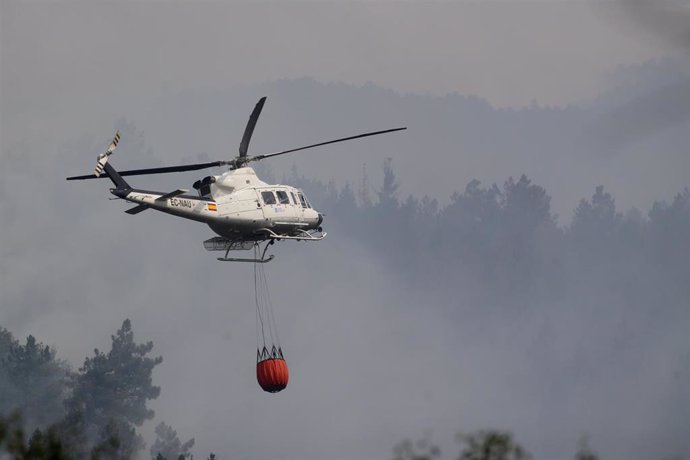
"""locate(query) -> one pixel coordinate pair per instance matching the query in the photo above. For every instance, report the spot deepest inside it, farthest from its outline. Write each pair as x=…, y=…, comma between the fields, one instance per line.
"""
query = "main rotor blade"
x=261, y=157
x=163, y=170
x=244, y=145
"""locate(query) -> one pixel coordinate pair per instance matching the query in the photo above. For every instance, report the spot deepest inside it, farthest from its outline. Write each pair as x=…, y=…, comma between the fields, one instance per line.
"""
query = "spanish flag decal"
x=212, y=207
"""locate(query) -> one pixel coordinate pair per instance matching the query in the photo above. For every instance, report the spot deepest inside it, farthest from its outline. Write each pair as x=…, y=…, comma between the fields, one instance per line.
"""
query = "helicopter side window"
x=294, y=198
x=302, y=200
x=268, y=197
x=283, y=197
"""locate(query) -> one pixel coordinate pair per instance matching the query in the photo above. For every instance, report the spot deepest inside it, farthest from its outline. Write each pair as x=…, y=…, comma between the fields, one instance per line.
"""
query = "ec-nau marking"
x=180, y=203
x=240, y=208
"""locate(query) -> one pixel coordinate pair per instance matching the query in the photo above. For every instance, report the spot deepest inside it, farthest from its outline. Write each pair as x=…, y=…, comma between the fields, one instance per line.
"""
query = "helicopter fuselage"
x=244, y=211
x=235, y=205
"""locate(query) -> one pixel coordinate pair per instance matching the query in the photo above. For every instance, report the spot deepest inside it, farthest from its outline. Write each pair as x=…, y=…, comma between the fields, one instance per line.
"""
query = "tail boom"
x=175, y=203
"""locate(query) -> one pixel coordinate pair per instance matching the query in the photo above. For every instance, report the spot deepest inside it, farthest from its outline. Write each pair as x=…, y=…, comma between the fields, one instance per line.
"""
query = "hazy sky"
x=509, y=52
x=72, y=68
x=369, y=364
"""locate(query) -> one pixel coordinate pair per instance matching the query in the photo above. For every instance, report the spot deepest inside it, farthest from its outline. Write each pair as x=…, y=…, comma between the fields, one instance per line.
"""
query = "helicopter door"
x=268, y=202
x=276, y=206
x=287, y=212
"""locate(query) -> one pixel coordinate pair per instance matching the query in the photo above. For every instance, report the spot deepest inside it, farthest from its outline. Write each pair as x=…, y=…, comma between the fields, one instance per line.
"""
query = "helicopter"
x=240, y=208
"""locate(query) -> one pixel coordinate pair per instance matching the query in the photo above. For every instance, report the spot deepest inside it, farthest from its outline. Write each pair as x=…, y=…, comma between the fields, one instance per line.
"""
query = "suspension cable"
x=259, y=316
x=265, y=316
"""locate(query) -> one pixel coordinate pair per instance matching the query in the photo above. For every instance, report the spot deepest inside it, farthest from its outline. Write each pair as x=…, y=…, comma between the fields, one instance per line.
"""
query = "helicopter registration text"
x=180, y=203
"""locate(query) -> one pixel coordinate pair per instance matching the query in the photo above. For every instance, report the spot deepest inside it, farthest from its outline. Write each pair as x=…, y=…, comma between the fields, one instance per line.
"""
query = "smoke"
x=403, y=321
x=660, y=20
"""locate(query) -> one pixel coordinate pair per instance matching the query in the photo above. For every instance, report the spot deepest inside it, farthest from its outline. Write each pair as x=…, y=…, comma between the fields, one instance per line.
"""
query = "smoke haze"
x=463, y=307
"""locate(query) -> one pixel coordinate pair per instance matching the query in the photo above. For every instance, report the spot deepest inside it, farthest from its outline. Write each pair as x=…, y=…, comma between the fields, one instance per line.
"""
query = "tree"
x=387, y=195
x=12, y=434
x=584, y=452
x=118, y=440
x=111, y=390
x=47, y=445
x=6, y=341
x=595, y=223
x=363, y=196
x=521, y=246
x=527, y=204
x=168, y=445
x=471, y=223
x=43, y=445
x=422, y=449
x=491, y=445
x=32, y=380
x=669, y=227
x=108, y=400
x=346, y=203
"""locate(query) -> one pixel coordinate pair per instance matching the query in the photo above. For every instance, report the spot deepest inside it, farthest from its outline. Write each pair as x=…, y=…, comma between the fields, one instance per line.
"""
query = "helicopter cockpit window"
x=283, y=197
x=268, y=197
x=294, y=198
x=302, y=200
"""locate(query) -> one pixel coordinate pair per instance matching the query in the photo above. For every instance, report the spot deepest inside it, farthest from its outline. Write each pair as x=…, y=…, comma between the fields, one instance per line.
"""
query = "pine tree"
x=32, y=381
x=111, y=390
x=422, y=449
x=168, y=445
x=491, y=445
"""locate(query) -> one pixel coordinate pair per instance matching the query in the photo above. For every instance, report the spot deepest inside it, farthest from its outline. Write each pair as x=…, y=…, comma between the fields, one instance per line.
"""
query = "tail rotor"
x=103, y=157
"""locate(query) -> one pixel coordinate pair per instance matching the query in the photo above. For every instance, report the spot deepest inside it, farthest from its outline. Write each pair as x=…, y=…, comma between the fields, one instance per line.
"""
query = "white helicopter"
x=243, y=210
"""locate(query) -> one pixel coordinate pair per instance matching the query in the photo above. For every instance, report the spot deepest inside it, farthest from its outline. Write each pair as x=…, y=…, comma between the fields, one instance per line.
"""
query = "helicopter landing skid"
x=299, y=235
x=265, y=236
x=257, y=261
